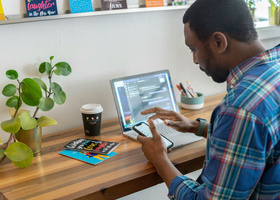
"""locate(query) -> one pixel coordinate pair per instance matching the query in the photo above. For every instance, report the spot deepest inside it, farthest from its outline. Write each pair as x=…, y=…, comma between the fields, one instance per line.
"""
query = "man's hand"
x=155, y=151
x=154, y=148
x=173, y=119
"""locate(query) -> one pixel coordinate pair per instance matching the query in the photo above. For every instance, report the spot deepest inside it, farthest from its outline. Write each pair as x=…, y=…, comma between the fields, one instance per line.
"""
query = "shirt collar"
x=238, y=72
x=240, y=69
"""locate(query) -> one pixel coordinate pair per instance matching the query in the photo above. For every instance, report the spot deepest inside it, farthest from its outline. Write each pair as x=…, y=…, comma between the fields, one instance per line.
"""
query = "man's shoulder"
x=257, y=92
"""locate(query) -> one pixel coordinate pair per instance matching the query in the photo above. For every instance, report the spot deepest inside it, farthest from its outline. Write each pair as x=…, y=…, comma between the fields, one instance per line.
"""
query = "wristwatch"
x=202, y=126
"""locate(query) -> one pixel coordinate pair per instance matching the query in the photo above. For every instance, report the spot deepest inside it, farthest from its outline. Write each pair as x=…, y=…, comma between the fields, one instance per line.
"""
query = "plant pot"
x=274, y=15
x=252, y=11
x=32, y=138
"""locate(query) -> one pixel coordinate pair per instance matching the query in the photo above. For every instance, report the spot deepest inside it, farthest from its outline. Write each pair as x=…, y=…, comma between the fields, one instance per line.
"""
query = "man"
x=243, y=136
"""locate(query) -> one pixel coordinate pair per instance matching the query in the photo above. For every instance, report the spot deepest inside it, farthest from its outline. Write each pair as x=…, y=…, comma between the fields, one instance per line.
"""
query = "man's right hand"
x=173, y=119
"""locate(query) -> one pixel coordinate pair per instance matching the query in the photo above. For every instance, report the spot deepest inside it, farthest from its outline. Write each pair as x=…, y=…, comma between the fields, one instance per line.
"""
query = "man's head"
x=213, y=28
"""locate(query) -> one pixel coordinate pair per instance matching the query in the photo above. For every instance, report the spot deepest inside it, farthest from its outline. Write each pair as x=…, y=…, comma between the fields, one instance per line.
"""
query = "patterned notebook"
x=79, y=6
x=88, y=157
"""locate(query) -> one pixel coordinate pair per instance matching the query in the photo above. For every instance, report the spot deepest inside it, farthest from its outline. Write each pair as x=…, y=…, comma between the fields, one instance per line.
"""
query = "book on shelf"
x=79, y=6
x=40, y=8
x=154, y=3
x=113, y=4
x=2, y=16
x=92, y=146
x=88, y=157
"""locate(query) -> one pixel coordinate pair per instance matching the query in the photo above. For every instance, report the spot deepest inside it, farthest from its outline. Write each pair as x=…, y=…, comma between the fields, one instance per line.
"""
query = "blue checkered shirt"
x=243, y=140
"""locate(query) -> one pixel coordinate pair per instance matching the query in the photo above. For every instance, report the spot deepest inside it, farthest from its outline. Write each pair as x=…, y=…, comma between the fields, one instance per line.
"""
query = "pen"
x=184, y=90
x=181, y=90
x=192, y=90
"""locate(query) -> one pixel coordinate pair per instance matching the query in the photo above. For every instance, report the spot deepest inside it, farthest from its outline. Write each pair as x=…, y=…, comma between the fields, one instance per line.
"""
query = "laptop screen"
x=134, y=94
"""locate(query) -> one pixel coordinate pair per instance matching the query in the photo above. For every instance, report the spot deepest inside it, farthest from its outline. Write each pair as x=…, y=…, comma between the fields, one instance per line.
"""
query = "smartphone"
x=143, y=129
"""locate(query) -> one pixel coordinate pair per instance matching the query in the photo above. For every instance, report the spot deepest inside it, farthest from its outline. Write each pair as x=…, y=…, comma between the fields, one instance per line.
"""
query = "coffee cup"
x=91, y=114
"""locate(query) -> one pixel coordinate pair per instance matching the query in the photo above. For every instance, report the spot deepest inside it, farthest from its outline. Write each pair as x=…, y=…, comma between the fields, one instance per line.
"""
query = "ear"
x=219, y=42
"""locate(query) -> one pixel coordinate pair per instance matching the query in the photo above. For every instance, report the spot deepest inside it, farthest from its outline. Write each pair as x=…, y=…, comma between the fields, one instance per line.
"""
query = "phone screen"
x=144, y=129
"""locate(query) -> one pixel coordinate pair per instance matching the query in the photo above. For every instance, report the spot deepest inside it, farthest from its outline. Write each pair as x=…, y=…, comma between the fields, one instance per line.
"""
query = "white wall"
x=98, y=48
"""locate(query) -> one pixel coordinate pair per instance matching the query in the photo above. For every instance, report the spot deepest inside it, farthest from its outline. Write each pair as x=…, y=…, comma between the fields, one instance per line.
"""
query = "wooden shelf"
x=15, y=19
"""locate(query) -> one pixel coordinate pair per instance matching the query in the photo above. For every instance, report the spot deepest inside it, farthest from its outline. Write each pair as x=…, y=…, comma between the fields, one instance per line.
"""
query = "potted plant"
x=252, y=6
x=274, y=12
x=24, y=129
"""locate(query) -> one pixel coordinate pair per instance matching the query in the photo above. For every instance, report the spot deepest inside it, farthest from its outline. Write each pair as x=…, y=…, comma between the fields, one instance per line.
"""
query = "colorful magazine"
x=88, y=157
x=40, y=8
x=79, y=6
x=93, y=146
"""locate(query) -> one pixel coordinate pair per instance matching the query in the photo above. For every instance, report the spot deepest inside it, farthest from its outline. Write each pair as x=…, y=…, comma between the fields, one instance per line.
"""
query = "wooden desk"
x=53, y=176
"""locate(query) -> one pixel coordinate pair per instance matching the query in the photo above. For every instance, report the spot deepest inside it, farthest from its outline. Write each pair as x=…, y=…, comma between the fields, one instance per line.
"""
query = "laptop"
x=133, y=94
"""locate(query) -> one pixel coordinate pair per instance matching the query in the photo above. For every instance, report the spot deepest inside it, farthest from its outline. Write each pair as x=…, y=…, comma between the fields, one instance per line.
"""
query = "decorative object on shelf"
x=113, y=4
x=2, y=16
x=79, y=6
x=274, y=12
x=40, y=8
x=179, y=2
x=25, y=130
x=154, y=3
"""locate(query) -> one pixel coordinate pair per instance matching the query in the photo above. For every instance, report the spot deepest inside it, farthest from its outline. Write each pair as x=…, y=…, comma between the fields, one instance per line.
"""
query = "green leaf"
x=27, y=122
x=46, y=121
x=1, y=153
x=64, y=68
x=41, y=83
x=20, y=154
x=0, y=141
x=11, y=126
x=57, y=72
x=46, y=104
x=31, y=92
x=12, y=74
x=56, y=88
x=9, y=90
x=13, y=102
x=51, y=58
x=59, y=98
x=45, y=67
x=12, y=112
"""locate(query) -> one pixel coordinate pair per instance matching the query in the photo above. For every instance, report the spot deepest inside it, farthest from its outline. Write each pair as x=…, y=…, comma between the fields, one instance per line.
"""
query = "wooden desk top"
x=53, y=176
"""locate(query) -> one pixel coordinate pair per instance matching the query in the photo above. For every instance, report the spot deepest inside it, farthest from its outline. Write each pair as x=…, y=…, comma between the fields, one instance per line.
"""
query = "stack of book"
x=90, y=151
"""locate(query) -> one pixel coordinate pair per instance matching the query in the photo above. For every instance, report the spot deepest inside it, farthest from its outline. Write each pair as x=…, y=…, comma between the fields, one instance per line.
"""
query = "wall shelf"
x=15, y=19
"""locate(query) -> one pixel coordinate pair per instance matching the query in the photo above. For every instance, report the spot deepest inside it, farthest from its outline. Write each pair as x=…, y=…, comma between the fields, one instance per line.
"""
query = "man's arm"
x=233, y=165
x=156, y=152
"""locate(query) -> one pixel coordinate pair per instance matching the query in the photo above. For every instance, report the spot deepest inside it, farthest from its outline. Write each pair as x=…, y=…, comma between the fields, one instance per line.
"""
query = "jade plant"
x=35, y=93
x=274, y=3
x=251, y=3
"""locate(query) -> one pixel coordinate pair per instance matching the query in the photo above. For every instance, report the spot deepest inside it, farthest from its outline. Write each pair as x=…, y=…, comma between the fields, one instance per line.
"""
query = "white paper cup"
x=91, y=114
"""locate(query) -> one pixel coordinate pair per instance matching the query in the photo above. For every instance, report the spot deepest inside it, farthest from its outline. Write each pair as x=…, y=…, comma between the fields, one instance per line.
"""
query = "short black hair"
x=227, y=16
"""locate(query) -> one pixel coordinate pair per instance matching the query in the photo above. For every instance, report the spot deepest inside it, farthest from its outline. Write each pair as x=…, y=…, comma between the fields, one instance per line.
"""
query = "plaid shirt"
x=243, y=141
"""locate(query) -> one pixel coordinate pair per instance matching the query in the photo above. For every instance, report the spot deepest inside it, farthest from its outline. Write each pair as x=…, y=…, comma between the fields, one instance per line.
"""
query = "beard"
x=218, y=74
